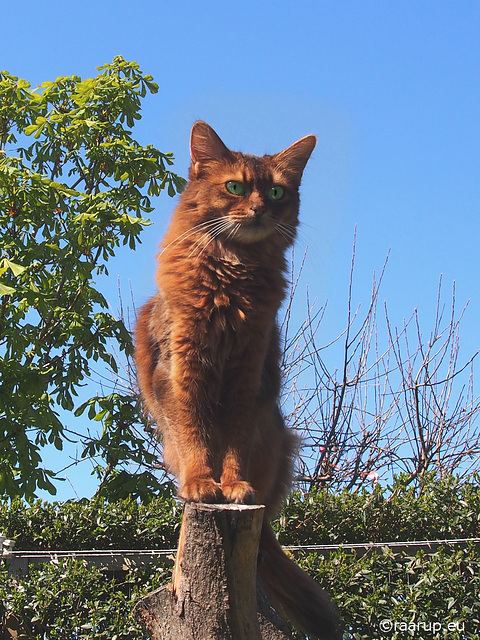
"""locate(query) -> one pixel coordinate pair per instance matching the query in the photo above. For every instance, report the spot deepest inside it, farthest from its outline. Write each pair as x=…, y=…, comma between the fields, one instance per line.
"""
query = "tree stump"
x=215, y=593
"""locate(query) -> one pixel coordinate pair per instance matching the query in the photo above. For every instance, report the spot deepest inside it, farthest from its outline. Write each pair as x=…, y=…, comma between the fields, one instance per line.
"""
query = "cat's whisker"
x=229, y=224
x=200, y=244
x=234, y=230
x=196, y=227
x=301, y=238
x=223, y=224
x=204, y=226
x=287, y=231
x=193, y=230
x=212, y=229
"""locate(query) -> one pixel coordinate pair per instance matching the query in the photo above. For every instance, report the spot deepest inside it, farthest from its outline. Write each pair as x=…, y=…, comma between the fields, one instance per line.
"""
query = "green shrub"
x=70, y=599
x=95, y=524
x=422, y=596
x=419, y=596
x=445, y=509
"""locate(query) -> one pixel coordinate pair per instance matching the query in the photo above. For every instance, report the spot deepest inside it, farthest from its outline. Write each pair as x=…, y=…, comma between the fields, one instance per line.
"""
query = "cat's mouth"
x=253, y=229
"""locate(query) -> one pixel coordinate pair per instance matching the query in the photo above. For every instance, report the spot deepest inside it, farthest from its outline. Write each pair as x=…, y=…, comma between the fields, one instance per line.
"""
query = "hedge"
x=381, y=594
x=94, y=524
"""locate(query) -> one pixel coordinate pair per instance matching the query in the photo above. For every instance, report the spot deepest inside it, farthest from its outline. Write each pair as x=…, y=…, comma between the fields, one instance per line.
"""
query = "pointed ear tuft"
x=206, y=146
x=293, y=159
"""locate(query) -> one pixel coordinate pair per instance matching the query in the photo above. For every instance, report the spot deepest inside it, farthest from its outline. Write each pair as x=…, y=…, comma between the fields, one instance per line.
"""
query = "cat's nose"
x=258, y=208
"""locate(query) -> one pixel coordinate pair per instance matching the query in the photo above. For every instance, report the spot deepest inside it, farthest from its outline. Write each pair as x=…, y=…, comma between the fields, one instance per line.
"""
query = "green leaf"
x=16, y=269
x=5, y=290
x=30, y=129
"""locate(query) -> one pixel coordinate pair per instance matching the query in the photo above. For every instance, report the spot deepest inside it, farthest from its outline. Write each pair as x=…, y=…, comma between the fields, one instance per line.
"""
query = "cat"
x=208, y=347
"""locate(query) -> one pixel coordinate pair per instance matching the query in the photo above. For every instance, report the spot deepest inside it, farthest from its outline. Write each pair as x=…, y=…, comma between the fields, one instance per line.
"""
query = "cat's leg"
x=252, y=423
x=145, y=354
x=235, y=488
x=194, y=425
x=194, y=457
x=170, y=383
x=239, y=399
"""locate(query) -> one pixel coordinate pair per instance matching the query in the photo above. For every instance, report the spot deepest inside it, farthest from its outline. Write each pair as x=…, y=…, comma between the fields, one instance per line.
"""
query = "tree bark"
x=215, y=594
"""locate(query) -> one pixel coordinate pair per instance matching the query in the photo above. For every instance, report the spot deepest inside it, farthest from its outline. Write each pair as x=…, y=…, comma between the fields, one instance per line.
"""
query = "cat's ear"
x=206, y=147
x=293, y=159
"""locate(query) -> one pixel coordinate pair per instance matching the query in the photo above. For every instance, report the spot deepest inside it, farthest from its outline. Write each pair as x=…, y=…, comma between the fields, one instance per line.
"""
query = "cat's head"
x=247, y=198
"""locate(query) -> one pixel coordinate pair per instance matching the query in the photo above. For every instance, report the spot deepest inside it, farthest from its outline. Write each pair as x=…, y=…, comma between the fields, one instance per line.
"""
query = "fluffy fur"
x=208, y=348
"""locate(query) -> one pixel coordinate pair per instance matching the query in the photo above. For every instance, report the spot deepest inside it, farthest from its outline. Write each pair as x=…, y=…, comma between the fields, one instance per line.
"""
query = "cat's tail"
x=294, y=593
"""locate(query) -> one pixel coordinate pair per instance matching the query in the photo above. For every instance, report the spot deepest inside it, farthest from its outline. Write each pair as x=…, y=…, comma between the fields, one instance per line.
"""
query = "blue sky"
x=392, y=90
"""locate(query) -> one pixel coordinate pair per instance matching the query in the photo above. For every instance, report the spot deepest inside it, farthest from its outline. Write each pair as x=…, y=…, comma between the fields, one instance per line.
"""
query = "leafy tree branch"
x=75, y=185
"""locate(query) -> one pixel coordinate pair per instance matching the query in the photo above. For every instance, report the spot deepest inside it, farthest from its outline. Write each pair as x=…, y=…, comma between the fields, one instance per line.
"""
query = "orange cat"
x=208, y=347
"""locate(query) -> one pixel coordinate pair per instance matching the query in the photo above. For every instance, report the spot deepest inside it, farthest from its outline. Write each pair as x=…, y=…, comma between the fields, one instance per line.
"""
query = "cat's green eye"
x=235, y=188
x=275, y=193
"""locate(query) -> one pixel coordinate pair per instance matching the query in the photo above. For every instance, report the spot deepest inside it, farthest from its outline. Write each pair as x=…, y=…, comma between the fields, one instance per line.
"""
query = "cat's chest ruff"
x=234, y=294
x=227, y=285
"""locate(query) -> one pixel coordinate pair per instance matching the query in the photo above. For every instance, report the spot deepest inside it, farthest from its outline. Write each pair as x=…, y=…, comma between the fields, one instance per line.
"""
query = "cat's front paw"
x=201, y=490
x=238, y=491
